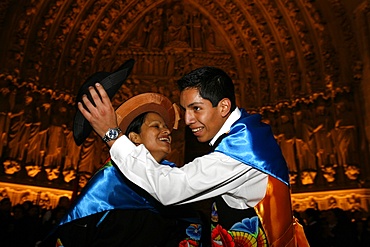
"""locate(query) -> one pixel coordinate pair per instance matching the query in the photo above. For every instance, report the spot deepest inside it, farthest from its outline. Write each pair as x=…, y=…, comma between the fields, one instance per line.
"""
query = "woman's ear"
x=225, y=106
x=135, y=138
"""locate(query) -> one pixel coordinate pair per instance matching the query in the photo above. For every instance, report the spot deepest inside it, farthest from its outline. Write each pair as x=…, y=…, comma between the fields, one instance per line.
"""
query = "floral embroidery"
x=247, y=225
x=246, y=233
x=58, y=243
x=214, y=214
x=194, y=231
x=221, y=237
x=188, y=243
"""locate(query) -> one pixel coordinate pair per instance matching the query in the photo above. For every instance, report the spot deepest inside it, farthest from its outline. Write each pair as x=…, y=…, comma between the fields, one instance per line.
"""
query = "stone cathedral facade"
x=304, y=65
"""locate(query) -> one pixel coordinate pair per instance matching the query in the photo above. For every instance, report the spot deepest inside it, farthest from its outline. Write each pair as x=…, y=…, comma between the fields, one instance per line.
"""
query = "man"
x=246, y=172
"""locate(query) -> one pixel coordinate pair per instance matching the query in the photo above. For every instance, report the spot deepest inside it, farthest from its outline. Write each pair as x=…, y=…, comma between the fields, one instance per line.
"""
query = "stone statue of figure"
x=323, y=124
x=16, y=122
x=177, y=32
x=141, y=36
x=209, y=38
x=196, y=31
x=72, y=152
x=345, y=137
x=286, y=140
x=6, y=92
x=156, y=30
x=37, y=155
x=91, y=152
x=31, y=135
x=305, y=144
x=56, y=137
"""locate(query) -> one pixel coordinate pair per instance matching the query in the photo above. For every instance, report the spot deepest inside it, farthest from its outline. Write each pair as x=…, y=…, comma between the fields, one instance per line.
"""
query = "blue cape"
x=105, y=191
x=252, y=142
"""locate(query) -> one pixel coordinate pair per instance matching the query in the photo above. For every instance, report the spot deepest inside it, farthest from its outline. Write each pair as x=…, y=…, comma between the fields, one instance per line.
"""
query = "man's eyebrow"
x=190, y=105
x=195, y=103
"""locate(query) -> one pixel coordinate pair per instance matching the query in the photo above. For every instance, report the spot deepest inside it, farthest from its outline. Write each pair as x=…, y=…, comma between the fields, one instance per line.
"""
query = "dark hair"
x=212, y=83
x=135, y=125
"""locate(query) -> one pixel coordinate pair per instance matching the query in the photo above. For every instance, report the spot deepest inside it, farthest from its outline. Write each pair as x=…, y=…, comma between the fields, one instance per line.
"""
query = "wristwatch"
x=112, y=134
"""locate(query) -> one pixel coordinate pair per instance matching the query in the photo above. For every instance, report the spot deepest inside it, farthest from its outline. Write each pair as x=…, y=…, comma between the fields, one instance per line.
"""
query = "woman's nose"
x=166, y=131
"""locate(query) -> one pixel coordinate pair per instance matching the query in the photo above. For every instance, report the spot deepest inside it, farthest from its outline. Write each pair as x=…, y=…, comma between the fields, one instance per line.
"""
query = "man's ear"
x=225, y=106
x=135, y=138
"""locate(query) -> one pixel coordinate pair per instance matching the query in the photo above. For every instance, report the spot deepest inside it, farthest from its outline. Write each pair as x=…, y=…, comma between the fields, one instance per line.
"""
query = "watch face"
x=112, y=134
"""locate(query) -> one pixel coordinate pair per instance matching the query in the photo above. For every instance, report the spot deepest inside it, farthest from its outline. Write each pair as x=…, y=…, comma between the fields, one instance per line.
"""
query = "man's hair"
x=212, y=83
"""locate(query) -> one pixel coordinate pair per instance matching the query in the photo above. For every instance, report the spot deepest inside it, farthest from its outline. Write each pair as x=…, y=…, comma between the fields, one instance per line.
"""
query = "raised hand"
x=100, y=113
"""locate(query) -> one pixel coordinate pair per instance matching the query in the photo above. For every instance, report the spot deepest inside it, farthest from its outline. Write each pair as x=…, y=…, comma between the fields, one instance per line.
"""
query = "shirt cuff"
x=121, y=148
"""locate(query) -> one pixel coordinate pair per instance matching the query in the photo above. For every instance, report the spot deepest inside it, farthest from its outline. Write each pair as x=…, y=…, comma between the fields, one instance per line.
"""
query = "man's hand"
x=101, y=116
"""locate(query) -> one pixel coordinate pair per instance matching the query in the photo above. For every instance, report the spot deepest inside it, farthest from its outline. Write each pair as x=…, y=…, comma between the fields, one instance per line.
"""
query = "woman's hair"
x=135, y=125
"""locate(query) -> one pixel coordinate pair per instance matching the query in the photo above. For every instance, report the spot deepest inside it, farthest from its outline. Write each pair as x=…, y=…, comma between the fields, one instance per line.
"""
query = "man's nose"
x=189, y=118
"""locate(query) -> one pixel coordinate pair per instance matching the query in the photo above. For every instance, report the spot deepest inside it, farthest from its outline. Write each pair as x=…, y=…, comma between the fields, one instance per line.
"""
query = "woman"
x=111, y=211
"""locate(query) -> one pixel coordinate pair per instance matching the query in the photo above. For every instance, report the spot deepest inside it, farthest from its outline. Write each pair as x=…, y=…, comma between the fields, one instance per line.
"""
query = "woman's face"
x=155, y=135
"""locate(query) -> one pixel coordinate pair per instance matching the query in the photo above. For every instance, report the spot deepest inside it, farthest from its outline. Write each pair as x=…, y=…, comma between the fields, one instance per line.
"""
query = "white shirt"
x=207, y=176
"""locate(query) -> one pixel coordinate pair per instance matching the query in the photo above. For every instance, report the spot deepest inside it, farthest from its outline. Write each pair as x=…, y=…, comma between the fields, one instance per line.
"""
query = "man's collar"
x=235, y=115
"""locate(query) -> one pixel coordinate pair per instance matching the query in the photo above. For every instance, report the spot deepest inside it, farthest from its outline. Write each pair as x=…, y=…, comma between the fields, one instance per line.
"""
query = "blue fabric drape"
x=252, y=142
x=105, y=191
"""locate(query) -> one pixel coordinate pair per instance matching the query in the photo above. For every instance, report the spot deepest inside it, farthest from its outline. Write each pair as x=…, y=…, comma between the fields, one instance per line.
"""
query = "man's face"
x=155, y=136
x=203, y=119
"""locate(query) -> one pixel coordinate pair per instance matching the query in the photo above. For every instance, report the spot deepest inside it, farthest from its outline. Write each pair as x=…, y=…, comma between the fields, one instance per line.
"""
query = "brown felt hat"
x=147, y=102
